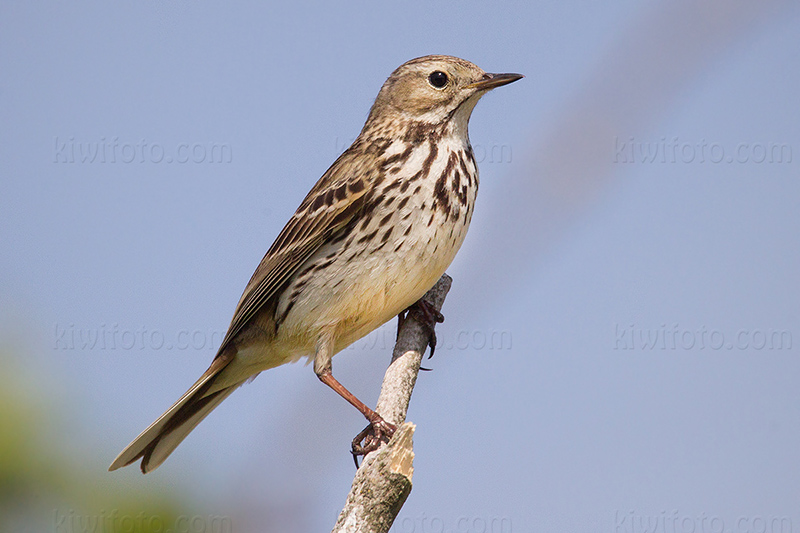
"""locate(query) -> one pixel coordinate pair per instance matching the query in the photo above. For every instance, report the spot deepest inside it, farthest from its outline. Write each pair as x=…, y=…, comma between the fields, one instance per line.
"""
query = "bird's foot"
x=371, y=437
x=427, y=315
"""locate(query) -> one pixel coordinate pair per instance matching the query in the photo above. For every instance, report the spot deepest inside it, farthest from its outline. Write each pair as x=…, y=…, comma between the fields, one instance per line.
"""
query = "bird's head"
x=433, y=90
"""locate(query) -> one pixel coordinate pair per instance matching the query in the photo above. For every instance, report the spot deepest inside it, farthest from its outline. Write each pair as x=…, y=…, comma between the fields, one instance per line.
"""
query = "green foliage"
x=42, y=489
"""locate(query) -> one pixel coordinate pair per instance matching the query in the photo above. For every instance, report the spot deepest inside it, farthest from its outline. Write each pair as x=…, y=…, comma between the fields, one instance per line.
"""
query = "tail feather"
x=160, y=439
x=160, y=448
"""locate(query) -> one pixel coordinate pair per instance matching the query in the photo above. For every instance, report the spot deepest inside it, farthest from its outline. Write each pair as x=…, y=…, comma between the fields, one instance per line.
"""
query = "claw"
x=401, y=318
x=428, y=316
x=371, y=437
x=355, y=446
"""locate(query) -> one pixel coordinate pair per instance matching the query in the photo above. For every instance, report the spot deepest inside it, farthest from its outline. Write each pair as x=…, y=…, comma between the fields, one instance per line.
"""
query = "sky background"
x=620, y=350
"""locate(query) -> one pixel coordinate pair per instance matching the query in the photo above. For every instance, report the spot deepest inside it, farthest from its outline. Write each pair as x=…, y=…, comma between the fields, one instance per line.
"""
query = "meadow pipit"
x=373, y=235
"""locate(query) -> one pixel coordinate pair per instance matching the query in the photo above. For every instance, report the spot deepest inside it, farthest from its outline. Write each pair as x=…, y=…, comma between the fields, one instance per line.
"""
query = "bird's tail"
x=159, y=440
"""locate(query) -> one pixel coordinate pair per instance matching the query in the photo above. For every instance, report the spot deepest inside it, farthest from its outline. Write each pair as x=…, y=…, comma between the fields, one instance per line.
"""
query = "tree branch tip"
x=401, y=449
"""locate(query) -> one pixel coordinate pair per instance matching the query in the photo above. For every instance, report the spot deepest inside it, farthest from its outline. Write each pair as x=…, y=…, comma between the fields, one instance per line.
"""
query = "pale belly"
x=356, y=295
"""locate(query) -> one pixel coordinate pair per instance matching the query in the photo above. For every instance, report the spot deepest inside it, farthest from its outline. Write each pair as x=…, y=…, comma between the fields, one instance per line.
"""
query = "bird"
x=372, y=236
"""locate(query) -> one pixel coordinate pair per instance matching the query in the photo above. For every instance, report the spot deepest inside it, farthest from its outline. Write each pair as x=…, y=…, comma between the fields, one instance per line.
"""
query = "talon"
x=428, y=316
x=371, y=437
x=432, y=342
x=355, y=447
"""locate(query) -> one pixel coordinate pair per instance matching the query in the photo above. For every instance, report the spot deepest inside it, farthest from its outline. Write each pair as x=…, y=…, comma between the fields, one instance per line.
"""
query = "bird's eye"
x=438, y=79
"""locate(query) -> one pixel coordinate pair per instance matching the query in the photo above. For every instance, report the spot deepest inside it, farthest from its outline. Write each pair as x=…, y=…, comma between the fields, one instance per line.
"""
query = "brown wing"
x=331, y=204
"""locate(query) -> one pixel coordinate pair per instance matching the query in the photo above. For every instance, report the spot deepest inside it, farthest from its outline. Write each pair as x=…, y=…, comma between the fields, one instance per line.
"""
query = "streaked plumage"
x=370, y=238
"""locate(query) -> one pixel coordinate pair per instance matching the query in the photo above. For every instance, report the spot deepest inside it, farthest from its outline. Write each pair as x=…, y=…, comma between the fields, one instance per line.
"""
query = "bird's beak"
x=490, y=81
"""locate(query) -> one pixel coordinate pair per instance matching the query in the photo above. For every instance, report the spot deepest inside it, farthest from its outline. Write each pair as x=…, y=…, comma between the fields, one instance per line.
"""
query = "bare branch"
x=383, y=482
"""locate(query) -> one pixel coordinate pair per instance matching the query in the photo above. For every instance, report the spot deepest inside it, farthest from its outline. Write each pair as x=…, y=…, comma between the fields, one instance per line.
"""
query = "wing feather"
x=331, y=205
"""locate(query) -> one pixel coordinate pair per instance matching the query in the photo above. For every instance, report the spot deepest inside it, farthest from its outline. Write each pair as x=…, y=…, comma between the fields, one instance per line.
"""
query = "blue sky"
x=635, y=240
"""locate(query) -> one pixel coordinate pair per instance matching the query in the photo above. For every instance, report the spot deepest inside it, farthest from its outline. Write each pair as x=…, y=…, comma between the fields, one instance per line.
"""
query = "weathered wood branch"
x=383, y=482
